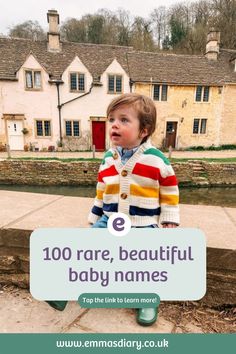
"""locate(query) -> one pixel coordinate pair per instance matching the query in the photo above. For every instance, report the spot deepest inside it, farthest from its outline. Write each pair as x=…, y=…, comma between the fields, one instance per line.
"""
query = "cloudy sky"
x=17, y=11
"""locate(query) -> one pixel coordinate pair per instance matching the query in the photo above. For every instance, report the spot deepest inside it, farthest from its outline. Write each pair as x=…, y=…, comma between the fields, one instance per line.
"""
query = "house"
x=195, y=95
x=55, y=93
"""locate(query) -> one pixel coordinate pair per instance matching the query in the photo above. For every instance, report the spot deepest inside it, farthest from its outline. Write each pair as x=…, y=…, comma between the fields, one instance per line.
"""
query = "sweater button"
x=115, y=156
x=124, y=173
x=123, y=196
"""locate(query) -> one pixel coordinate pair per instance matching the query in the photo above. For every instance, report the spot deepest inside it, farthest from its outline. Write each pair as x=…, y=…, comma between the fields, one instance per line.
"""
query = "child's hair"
x=144, y=106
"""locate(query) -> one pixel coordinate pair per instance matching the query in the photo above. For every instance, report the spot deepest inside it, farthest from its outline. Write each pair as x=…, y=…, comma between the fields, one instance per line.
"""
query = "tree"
x=159, y=18
x=182, y=27
x=28, y=29
x=224, y=20
x=110, y=26
x=123, y=27
x=196, y=38
x=95, y=29
x=74, y=30
x=178, y=32
x=141, y=35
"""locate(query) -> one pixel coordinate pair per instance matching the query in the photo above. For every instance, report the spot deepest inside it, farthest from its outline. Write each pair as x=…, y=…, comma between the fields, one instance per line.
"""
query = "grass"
x=212, y=148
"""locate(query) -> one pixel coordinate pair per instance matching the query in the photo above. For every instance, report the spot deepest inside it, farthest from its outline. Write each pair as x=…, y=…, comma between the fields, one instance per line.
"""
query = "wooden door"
x=171, y=129
x=15, y=135
x=98, y=135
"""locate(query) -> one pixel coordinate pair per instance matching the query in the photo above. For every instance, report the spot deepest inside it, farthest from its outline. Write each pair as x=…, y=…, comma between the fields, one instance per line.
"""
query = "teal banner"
x=114, y=300
x=117, y=343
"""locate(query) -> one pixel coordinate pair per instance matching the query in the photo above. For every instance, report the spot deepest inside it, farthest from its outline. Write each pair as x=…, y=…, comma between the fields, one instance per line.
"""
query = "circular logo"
x=119, y=224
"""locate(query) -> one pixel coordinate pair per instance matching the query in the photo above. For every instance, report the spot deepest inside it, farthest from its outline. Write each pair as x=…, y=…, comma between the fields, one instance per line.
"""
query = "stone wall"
x=14, y=257
x=48, y=172
x=33, y=172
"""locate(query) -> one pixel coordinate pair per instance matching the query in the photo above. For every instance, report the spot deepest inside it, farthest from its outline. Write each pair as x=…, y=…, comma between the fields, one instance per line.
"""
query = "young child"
x=135, y=178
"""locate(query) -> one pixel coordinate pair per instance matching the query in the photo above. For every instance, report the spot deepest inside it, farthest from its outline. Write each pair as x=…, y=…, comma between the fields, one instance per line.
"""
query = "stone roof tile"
x=140, y=66
x=181, y=69
x=13, y=53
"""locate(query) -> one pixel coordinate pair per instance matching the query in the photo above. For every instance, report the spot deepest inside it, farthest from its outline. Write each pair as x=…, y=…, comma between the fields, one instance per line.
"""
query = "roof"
x=182, y=69
x=96, y=57
x=140, y=66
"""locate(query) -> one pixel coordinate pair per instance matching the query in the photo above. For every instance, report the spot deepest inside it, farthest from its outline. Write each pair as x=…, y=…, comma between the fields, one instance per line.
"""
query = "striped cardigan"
x=145, y=188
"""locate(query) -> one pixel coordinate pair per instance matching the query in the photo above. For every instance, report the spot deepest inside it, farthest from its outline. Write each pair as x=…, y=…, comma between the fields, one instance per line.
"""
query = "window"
x=199, y=124
x=33, y=79
x=72, y=127
x=196, y=126
x=43, y=127
x=77, y=82
x=160, y=92
x=114, y=84
x=202, y=93
x=203, y=126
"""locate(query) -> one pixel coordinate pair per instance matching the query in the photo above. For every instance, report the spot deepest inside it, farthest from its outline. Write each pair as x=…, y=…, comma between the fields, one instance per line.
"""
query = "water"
x=222, y=196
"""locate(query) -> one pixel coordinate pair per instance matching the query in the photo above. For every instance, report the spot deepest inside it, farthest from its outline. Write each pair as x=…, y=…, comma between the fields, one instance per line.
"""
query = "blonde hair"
x=145, y=107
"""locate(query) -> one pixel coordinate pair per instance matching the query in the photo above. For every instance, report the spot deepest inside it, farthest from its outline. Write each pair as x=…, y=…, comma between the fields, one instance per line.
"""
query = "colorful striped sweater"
x=145, y=188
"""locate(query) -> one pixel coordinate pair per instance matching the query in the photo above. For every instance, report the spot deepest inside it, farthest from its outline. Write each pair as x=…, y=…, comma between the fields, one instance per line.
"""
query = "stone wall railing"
x=32, y=172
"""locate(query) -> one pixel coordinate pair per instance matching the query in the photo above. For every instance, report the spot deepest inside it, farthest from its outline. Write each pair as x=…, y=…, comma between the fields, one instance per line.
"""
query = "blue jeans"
x=102, y=223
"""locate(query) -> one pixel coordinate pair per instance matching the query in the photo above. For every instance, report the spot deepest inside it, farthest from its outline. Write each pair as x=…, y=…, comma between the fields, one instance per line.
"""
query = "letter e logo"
x=119, y=224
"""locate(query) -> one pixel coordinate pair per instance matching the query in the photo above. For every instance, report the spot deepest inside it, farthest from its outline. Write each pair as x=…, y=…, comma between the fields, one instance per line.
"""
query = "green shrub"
x=212, y=148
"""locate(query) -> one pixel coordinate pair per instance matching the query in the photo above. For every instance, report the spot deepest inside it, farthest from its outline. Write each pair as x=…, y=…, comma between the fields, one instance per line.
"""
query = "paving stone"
x=219, y=228
x=20, y=313
x=66, y=212
x=120, y=321
x=41, y=210
x=17, y=205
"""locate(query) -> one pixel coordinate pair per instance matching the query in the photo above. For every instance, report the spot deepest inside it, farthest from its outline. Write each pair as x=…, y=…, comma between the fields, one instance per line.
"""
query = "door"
x=171, y=129
x=98, y=135
x=15, y=135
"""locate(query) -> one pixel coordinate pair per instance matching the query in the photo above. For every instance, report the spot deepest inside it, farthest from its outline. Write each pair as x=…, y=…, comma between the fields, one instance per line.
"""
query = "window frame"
x=72, y=128
x=205, y=126
x=77, y=73
x=160, y=96
x=115, y=86
x=33, y=71
x=203, y=92
x=200, y=130
x=43, y=128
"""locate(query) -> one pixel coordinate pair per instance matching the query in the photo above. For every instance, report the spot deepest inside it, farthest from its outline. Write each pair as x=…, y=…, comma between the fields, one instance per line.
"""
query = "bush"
x=211, y=148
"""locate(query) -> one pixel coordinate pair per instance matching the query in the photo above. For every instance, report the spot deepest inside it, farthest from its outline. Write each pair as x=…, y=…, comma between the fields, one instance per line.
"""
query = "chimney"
x=212, y=46
x=54, y=44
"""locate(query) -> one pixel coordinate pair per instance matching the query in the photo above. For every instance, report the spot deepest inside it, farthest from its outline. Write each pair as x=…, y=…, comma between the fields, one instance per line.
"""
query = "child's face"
x=124, y=127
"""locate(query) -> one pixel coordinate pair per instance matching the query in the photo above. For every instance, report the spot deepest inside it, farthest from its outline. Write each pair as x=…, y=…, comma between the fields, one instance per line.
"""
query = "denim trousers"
x=102, y=223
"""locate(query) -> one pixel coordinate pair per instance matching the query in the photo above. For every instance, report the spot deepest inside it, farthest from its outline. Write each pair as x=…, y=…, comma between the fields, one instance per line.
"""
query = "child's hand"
x=169, y=225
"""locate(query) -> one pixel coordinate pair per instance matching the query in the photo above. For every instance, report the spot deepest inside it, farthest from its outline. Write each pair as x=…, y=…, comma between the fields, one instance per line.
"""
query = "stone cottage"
x=55, y=93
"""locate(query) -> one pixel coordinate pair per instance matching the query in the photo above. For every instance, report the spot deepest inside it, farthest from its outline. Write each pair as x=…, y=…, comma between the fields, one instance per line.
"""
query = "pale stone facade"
x=228, y=116
x=27, y=106
x=182, y=108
